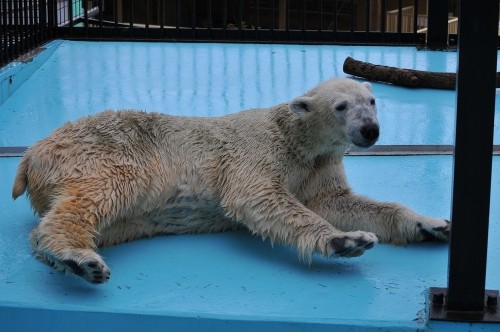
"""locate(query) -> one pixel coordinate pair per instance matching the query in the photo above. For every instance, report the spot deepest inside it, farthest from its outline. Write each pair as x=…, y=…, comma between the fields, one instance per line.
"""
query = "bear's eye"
x=372, y=101
x=341, y=107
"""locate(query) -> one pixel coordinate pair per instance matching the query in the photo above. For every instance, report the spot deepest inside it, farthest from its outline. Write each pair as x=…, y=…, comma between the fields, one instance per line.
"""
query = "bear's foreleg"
x=280, y=217
x=391, y=222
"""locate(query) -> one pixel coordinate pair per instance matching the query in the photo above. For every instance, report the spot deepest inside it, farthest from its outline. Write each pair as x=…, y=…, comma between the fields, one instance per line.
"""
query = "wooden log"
x=398, y=76
x=403, y=77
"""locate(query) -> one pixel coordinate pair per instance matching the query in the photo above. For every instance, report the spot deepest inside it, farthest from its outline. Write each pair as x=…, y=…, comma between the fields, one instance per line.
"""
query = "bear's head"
x=339, y=111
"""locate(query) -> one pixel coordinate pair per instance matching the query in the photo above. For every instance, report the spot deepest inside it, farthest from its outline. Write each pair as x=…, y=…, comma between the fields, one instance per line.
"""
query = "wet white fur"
x=278, y=172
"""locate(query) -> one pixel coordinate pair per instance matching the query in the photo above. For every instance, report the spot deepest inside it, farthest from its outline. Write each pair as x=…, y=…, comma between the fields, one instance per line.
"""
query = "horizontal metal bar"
x=377, y=150
x=408, y=150
x=12, y=151
x=244, y=36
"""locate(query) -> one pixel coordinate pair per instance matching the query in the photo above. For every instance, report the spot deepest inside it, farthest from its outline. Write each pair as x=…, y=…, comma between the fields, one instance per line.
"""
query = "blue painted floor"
x=232, y=281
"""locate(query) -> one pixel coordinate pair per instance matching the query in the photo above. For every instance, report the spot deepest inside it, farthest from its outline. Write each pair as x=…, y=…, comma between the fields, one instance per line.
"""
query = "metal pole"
x=437, y=25
x=477, y=58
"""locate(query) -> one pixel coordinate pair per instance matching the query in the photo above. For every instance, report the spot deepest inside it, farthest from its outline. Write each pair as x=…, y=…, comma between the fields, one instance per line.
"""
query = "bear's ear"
x=301, y=105
x=367, y=85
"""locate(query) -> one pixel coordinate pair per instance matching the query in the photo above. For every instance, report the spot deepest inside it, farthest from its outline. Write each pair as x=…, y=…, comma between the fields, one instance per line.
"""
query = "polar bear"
x=278, y=172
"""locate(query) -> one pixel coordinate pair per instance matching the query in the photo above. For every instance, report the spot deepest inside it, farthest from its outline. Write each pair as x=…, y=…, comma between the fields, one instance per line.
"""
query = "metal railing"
x=23, y=27
x=299, y=21
x=26, y=24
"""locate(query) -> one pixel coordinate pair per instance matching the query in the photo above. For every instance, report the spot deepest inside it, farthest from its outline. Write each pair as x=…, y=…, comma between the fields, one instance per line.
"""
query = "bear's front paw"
x=351, y=244
x=439, y=229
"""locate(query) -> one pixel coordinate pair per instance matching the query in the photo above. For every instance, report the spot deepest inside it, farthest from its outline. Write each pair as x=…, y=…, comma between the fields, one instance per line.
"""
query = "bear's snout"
x=364, y=136
x=362, y=126
x=370, y=132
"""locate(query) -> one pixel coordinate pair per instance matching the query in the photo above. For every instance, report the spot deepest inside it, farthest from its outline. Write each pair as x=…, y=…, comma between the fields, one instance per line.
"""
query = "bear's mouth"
x=364, y=143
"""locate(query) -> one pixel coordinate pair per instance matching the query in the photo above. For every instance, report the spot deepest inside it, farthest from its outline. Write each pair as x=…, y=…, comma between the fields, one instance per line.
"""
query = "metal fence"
x=23, y=27
x=26, y=24
x=254, y=21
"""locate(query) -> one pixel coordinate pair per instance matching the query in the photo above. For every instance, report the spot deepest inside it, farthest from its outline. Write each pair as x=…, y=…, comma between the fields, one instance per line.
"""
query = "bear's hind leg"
x=65, y=239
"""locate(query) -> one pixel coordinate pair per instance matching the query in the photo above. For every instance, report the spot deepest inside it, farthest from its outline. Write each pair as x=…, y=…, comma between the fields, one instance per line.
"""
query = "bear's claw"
x=430, y=233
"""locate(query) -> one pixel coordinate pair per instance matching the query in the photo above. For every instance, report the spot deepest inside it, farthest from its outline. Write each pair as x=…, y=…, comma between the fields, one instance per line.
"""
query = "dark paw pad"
x=439, y=233
x=92, y=271
x=444, y=230
x=96, y=273
x=427, y=236
x=74, y=267
x=350, y=246
x=339, y=245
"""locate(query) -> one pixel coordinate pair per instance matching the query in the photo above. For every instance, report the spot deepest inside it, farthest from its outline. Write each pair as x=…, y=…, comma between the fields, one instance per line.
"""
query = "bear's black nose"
x=370, y=132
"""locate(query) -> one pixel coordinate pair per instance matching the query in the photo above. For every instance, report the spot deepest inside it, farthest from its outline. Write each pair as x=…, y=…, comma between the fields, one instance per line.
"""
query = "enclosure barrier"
x=23, y=27
x=466, y=299
x=298, y=21
x=27, y=24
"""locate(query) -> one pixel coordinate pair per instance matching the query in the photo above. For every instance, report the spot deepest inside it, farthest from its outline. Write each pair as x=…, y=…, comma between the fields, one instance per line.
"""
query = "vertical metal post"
x=15, y=26
x=367, y=17
x=130, y=17
x=466, y=298
x=352, y=18
x=415, y=16
x=282, y=6
x=477, y=58
x=146, y=16
x=193, y=19
x=86, y=9
x=70, y=17
x=47, y=18
x=3, y=33
x=437, y=26
x=383, y=23
x=400, y=17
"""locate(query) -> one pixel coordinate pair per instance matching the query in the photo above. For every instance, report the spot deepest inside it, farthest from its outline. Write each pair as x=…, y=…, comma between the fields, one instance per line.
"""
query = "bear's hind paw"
x=92, y=271
x=83, y=263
